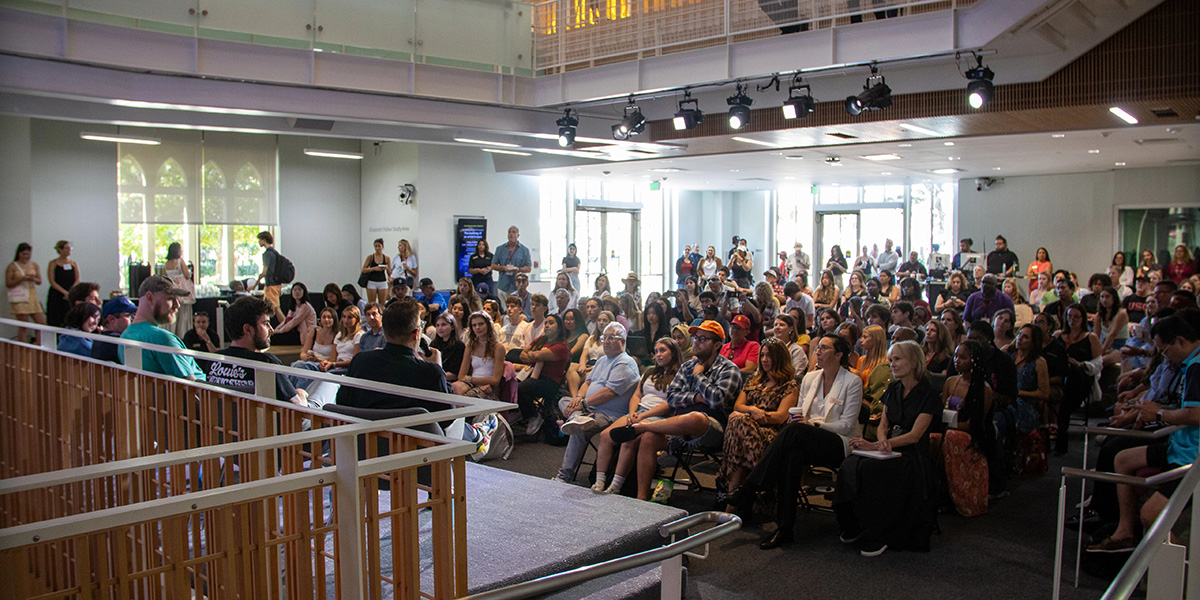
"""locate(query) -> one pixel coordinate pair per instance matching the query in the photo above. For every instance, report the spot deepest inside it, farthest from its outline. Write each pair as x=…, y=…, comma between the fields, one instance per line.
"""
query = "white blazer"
x=840, y=412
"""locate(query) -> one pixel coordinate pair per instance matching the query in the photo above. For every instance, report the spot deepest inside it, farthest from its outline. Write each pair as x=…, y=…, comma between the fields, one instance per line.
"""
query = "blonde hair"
x=405, y=249
x=877, y=355
x=912, y=352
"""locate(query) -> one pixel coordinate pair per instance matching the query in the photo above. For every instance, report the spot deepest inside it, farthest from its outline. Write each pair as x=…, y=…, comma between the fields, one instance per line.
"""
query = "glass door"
x=606, y=242
x=835, y=229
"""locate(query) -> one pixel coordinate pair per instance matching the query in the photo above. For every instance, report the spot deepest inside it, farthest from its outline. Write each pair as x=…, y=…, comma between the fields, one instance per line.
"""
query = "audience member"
x=1082, y=347
x=115, y=317
x=964, y=247
x=1111, y=323
x=1022, y=311
x=939, y=349
x=301, y=318
x=158, y=301
x=479, y=267
x=317, y=352
x=396, y=363
x=375, y=269
x=202, y=337
x=22, y=278
x=961, y=452
x=683, y=341
x=522, y=294
x=405, y=264
x=576, y=335
x=888, y=260
x=786, y=331
x=603, y=288
x=872, y=368
x=887, y=286
x=570, y=266
x=1181, y=266
x=63, y=274
x=448, y=342
x=400, y=291
x=248, y=325
x=509, y=260
x=480, y=374
x=912, y=267
x=333, y=298
x=984, y=303
x=82, y=317
x=836, y=265
x=741, y=350
x=1148, y=264
x=550, y=356
x=1003, y=329
x=1040, y=264
x=709, y=264
x=372, y=337
x=1002, y=261
x=1135, y=303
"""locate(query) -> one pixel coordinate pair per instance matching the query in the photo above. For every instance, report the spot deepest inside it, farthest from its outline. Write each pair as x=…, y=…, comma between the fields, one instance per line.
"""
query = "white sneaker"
x=558, y=479
x=533, y=425
x=598, y=487
x=612, y=489
x=577, y=425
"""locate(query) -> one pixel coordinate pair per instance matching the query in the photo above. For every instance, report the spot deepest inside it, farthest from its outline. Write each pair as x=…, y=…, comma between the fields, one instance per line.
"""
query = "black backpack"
x=285, y=271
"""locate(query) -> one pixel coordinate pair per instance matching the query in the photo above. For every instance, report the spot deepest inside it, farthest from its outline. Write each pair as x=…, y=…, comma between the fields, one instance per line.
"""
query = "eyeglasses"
x=702, y=338
x=610, y=338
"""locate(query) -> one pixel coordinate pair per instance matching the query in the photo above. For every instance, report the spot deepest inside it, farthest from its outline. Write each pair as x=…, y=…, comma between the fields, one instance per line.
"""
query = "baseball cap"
x=741, y=321
x=426, y=281
x=712, y=327
x=399, y=282
x=159, y=283
x=117, y=306
x=771, y=272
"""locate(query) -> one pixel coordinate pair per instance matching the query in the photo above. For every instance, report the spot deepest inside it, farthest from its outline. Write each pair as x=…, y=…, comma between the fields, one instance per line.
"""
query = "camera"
x=408, y=193
x=984, y=183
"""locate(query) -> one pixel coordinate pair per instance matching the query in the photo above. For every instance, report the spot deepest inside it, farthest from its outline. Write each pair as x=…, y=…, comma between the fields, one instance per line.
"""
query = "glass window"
x=795, y=223
x=1158, y=230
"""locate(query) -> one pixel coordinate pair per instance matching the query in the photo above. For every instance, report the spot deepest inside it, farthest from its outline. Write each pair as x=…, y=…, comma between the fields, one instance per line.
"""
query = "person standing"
x=1002, y=261
x=888, y=259
x=176, y=269
x=377, y=267
x=511, y=259
x=404, y=264
x=570, y=264
x=480, y=269
x=20, y=278
x=709, y=265
x=964, y=247
x=685, y=266
x=269, y=274
x=64, y=273
x=798, y=260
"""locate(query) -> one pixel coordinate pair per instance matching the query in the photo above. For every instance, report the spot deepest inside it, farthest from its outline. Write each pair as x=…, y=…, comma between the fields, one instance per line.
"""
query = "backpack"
x=285, y=271
x=497, y=438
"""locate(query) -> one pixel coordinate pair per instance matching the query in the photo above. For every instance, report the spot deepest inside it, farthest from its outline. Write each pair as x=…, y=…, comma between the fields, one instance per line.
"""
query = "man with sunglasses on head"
x=698, y=402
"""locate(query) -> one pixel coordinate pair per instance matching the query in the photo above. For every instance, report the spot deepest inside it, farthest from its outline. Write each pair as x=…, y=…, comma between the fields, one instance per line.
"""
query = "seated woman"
x=345, y=345
x=603, y=289
x=656, y=326
x=550, y=357
x=84, y=317
x=890, y=503
x=760, y=411
x=482, y=370
x=827, y=323
x=1005, y=331
x=648, y=403
x=576, y=332
x=350, y=295
x=785, y=331
x=1044, y=293
x=939, y=350
x=301, y=319
x=741, y=349
x=466, y=291
x=827, y=294
x=1022, y=311
x=955, y=294
x=910, y=291
x=856, y=287
x=961, y=453
x=817, y=434
x=1112, y=323
x=447, y=340
x=333, y=298
x=317, y=350
x=683, y=341
x=872, y=368
x=887, y=286
x=952, y=319
x=593, y=349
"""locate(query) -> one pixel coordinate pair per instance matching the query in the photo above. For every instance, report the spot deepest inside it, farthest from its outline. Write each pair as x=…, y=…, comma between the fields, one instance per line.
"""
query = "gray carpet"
x=1007, y=553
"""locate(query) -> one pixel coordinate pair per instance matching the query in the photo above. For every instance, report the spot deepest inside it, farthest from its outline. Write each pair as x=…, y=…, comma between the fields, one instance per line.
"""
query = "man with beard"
x=158, y=301
x=248, y=325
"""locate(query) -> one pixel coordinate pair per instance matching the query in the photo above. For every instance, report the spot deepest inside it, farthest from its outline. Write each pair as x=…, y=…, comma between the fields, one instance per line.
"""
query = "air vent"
x=315, y=124
x=844, y=136
x=1158, y=141
x=1164, y=113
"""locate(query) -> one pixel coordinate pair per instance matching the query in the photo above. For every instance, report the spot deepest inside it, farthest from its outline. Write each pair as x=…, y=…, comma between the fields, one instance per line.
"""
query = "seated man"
x=399, y=290
x=248, y=325
x=514, y=334
x=202, y=337
x=115, y=316
x=698, y=401
x=602, y=398
x=902, y=316
x=1178, y=337
x=372, y=339
x=158, y=301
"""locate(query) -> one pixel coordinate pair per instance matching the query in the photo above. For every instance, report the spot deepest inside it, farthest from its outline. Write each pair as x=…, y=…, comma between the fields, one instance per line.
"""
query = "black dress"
x=478, y=262
x=1076, y=388
x=56, y=303
x=894, y=501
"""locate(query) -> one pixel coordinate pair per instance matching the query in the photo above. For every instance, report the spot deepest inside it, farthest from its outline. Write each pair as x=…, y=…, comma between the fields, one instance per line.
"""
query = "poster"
x=467, y=233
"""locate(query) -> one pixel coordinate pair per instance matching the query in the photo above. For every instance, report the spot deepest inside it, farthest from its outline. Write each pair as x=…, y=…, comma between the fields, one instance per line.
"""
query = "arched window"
x=248, y=178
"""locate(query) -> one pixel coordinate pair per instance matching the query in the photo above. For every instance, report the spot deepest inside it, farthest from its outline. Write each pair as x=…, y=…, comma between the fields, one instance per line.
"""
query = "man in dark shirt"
x=202, y=337
x=964, y=247
x=1000, y=372
x=269, y=275
x=911, y=268
x=248, y=325
x=1135, y=303
x=395, y=363
x=1066, y=291
x=399, y=290
x=1002, y=261
x=115, y=316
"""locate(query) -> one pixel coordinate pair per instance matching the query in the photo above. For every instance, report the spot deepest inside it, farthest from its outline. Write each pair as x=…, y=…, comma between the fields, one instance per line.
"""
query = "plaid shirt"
x=713, y=392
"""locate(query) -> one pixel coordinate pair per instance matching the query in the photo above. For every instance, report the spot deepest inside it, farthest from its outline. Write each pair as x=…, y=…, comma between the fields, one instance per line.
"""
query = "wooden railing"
x=121, y=483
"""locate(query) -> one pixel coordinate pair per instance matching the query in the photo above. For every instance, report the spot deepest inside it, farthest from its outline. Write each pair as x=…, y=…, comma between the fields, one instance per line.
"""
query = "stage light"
x=980, y=90
x=689, y=115
x=800, y=101
x=633, y=123
x=739, y=108
x=876, y=95
x=566, y=129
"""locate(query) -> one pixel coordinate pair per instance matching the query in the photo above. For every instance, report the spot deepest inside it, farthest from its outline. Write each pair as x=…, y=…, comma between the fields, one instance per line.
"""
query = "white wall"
x=713, y=218
x=16, y=225
x=1072, y=215
x=319, y=208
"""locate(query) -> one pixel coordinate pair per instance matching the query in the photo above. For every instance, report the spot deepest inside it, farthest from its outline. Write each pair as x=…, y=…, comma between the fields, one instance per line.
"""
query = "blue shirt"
x=619, y=374
x=75, y=345
x=1184, y=444
x=371, y=341
x=504, y=257
x=160, y=362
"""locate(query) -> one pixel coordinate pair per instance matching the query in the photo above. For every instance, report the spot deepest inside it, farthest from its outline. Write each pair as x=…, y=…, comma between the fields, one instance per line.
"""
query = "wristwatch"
x=1161, y=419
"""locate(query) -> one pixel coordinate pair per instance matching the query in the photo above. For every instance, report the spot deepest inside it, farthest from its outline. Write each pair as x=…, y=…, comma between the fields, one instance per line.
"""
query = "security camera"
x=607, y=172
x=984, y=183
x=408, y=193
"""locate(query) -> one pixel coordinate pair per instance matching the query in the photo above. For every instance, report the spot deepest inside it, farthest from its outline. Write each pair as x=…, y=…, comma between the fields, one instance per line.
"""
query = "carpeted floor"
x=1008, y=553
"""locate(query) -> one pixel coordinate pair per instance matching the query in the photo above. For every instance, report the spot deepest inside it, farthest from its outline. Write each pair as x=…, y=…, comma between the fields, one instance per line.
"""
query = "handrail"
x=727, y=523
x=1126, y=581
x=1116, y=478
x=1140, y=434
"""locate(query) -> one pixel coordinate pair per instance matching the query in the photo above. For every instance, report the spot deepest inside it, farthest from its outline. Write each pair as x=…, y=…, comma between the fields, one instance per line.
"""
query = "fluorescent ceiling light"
x=794, y=157
x=499, y=151
x=189, y=107
x=904, y=145
x=881, y=157
x=333, y=153
x=919, y=129
x=1093, y=152
x=1124, y=116
x=945, y=171
x=487, y=143
x=666, y=170
x=1058, y=135
x=121, y=139
x=947, y=143
x=886, y=173
x=757, y=142
x=1119, y=164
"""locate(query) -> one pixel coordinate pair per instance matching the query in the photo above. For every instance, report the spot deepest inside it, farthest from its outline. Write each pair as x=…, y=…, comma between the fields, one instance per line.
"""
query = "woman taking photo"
x=479, y=266
x=740, y=267
x=827, y=293
x=836, y=265
x=890, y=503
x=1112, y=323
x=955, y=294
x=301, y=318
x=478, y=376
x=550, y=357
x=570, y=266
x=404, y=264
x=63, y=273
x=376, y=268
x=817, y=433
x=448, y=341
x=963, y=450
x=1082, y=346
x=785, y=331
x=1149, y=264
x=648, y=403
x=760, y=411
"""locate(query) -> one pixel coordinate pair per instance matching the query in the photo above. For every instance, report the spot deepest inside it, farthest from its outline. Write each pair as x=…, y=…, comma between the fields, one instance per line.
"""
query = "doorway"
x=850, y=230
x=607, y=241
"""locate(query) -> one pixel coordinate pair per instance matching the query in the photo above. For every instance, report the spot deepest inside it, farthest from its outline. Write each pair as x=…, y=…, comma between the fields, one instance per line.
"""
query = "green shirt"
x=161, y=362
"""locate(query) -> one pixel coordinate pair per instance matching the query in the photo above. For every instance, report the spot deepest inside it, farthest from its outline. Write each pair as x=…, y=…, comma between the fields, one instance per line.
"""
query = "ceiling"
x=994, y=156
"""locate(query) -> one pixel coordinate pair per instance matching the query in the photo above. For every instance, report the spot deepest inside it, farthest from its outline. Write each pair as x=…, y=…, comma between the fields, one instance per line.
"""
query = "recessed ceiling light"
x=954, y=157
x=794, y=157
x=1120, y=164
x=995, y=168
x=499, y=151
x=1058, y=135
x=789, y=177
x=905, y=145
x=1093, y=152
x=919, y=129
x=487, y=143
x=1124, y=116
x=886, y=173
x=946, y=171
x=881, y=157
x=733, y=170
x=947, y=143
x=745, y=140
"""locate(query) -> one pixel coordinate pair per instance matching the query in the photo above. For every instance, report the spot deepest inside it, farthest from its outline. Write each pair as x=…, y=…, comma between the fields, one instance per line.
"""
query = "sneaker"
x=558, y=479
x=1111, y=546
x=598, y=487
x=534, y=425
x=624, y=434
x=850, y=538
x=611, y=489
x=577, y=425
x=873, y=550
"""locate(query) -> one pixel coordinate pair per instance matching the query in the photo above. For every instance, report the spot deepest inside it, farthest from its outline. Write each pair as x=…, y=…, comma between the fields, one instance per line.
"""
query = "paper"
x=876, y=454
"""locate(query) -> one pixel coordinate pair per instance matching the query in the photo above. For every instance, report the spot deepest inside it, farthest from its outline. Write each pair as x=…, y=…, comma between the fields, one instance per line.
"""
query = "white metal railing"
x=343, y=477
x=580, y=32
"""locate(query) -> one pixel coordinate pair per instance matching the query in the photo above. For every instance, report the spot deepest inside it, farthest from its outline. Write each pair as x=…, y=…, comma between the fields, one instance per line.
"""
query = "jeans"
x=577, y=444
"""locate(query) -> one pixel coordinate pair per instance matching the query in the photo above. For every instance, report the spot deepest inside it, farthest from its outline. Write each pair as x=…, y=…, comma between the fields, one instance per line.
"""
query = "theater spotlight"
x=633, y=123
x=739, y=108
x=566, y=129
x=800, y=101
x=875, y=95
x=980, y=89
x=689, y=115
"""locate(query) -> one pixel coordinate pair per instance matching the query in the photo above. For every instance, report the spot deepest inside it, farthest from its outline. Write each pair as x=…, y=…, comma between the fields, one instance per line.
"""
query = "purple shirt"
x=980, y=307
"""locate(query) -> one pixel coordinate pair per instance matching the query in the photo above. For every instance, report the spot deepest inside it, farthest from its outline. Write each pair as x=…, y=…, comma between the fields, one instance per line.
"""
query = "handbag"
x=364, y=279
x=185, y=283
x=19, y=294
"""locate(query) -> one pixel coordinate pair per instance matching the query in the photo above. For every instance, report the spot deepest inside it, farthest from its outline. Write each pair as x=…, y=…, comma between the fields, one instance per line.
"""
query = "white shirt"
x=514, y=336
x=888, y=261
x=805, y=304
